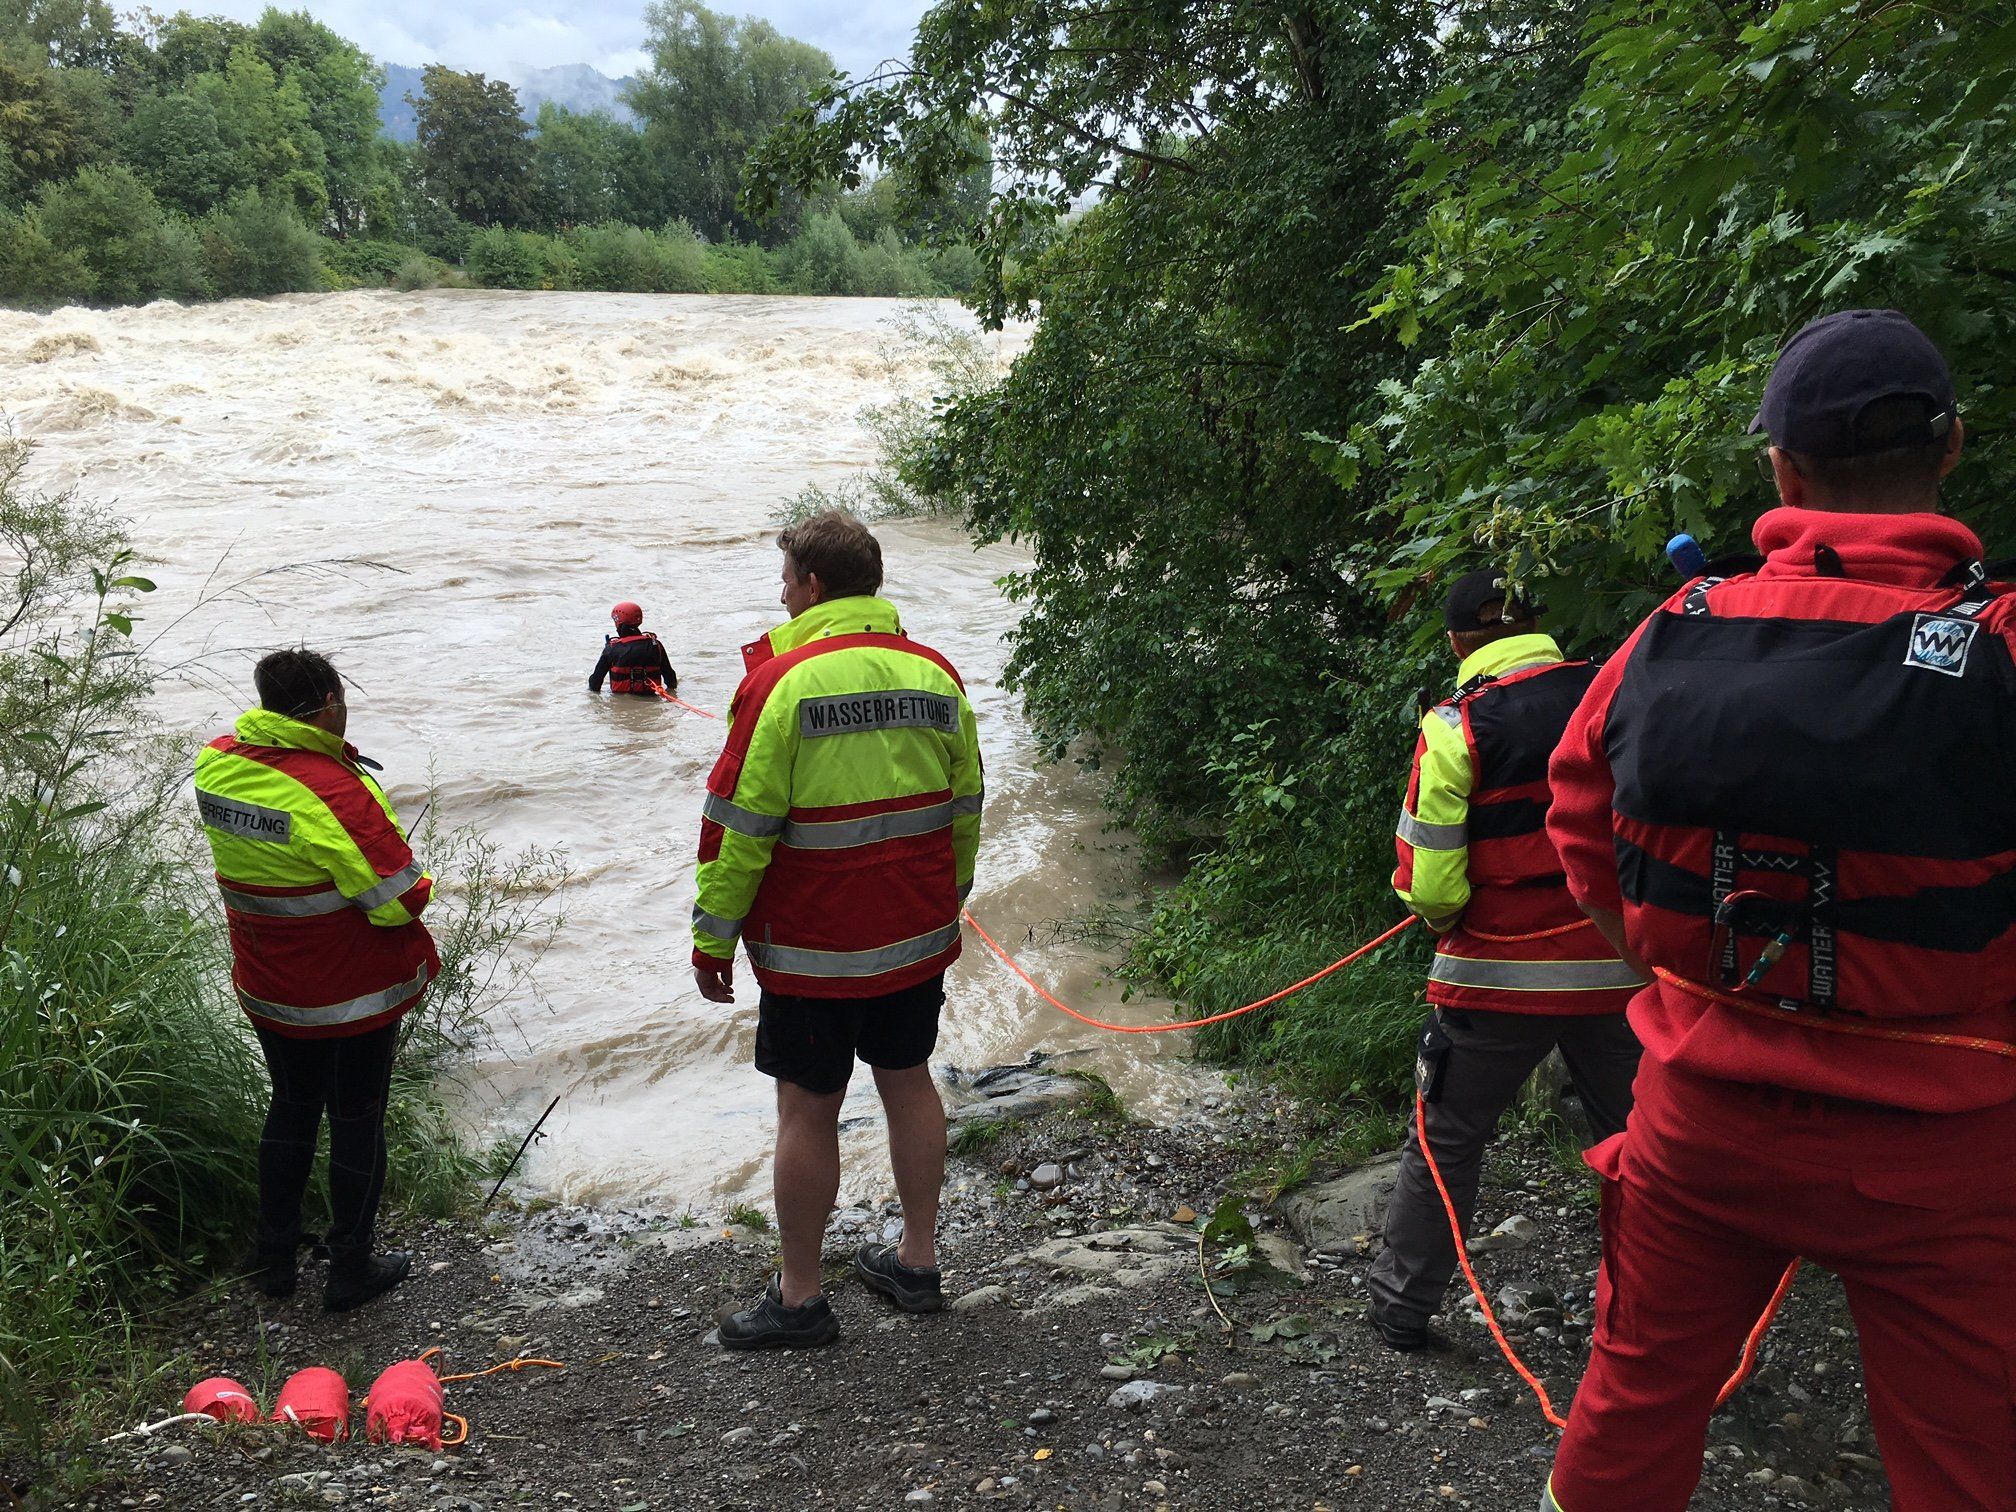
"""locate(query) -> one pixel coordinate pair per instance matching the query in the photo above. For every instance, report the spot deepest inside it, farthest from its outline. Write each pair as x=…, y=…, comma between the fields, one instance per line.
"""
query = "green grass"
x=742, y=1215
x=1101, y=1101
x=979, y=1135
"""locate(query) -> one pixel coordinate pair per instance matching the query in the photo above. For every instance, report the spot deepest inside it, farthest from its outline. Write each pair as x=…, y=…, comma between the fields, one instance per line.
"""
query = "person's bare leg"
x=805, y=1180
x=916, y=1117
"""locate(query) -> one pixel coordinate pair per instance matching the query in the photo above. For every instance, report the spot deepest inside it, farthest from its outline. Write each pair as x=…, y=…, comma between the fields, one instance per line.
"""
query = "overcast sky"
x=607, y=34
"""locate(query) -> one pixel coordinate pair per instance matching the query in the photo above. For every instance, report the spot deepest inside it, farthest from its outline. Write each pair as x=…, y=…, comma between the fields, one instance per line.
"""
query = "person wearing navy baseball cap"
x=1792, y=798
x=1860, y=413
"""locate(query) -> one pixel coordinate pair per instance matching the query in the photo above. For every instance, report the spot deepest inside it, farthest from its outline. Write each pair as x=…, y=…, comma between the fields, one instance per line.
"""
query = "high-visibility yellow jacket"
x=842, y=819
x=1475, y=860
x=321, y=891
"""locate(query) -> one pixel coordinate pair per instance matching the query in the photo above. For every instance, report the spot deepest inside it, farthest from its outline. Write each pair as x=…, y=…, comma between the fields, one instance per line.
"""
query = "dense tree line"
x=189, y=156
x=1374, y=290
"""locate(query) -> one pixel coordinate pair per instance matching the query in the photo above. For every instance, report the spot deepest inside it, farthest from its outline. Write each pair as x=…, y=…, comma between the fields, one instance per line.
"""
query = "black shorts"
x=812, y=1042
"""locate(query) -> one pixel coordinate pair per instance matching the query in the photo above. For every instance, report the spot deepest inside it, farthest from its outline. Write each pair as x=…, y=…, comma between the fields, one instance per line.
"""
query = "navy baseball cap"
x=1474, y=592
x=1821, y=399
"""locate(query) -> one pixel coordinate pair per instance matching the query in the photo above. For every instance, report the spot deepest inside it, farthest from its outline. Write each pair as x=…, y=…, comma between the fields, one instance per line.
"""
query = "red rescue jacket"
x=1797, y=787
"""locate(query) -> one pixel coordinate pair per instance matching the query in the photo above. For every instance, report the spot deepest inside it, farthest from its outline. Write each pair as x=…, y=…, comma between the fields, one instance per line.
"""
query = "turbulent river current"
x=480, y=475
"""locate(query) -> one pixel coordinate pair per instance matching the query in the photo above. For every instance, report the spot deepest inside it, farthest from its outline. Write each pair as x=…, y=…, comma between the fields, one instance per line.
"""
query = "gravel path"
x=1082, y=1368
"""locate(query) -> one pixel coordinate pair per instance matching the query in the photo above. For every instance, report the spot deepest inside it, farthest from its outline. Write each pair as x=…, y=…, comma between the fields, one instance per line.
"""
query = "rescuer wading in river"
x=1518, y=970
x=633, y=659
x=837, y=843
x=1792, y=795
x=323, y=898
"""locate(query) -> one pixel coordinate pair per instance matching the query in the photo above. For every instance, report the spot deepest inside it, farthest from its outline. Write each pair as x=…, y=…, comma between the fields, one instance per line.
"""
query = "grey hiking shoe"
x=767, y=1323
x=912, y=1289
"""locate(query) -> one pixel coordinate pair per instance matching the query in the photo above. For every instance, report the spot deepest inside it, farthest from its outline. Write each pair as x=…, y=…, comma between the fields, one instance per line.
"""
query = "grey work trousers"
x=1489, y=1058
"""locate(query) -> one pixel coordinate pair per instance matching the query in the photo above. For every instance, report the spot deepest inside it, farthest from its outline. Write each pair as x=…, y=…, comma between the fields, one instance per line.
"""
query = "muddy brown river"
x=513, y=464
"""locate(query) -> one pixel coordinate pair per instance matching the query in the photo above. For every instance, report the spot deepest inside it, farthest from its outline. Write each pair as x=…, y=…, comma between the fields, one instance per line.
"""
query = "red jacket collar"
x=1909, y=550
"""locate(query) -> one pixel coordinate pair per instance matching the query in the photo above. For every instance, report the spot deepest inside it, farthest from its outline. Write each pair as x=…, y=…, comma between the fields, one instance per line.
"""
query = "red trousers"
x=1712, y=1189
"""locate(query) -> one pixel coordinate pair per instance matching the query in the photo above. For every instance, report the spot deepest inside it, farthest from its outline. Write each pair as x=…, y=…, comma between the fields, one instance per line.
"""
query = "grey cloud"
x=606, y=34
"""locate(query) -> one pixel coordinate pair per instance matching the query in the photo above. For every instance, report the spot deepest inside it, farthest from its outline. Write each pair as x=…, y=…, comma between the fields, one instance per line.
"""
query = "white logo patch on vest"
x=248, y=821
x=1940, y=643
x=893, y=709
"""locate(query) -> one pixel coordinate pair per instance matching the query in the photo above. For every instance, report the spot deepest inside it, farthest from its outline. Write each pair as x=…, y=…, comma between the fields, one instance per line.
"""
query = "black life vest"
x=1840, y=791
x=1512, y=724
x=636, y=663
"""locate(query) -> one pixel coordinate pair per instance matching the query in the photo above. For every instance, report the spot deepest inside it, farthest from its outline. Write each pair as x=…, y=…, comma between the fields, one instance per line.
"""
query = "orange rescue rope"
x=674, y=698
x=1744, y=1365
x=1538, y=934
x=430, y=1355
x=1216, y=1018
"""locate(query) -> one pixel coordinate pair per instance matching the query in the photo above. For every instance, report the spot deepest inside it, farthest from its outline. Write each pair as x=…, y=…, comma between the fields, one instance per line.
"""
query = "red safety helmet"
x=627, y=613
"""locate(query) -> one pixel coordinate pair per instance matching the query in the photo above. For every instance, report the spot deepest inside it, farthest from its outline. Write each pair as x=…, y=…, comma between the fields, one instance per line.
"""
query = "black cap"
x=1818, y=399
x=1473, y=592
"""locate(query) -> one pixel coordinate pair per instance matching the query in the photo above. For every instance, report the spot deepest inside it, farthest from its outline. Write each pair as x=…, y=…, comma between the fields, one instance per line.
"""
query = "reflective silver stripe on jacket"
x=851, y=963
x=714, y=924
x=839, y=834
x=368, y=1006
x=1533, y=976
x=969, y=804
x=392, y=887
x=1425, y=836
x=742, y=821
x=296, y=906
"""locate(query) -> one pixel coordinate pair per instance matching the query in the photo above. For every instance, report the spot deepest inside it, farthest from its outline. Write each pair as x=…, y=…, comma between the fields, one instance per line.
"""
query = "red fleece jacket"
x=1893, y=564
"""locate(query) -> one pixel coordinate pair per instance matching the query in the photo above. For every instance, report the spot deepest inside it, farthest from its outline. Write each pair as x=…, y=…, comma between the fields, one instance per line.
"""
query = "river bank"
x=1081, y=1367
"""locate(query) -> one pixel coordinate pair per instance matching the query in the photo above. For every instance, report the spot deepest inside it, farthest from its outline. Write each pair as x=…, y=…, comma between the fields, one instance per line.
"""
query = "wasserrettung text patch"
x=896, y=709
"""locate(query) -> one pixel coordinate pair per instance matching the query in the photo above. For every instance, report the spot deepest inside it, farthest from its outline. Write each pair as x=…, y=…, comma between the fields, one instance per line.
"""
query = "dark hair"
x=1913, y=466
x=839, y=549
x=1472, y=640
x=296, y=682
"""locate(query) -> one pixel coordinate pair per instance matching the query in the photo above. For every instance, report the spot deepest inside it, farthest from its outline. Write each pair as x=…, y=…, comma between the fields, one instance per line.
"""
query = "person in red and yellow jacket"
x=1518, y=972
x=837, y=844
x=323, y=898
x=1792, y=796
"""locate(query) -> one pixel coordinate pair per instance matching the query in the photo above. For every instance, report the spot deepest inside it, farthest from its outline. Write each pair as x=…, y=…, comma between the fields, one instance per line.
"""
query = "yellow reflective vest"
x=321, y=891
x=842, y=820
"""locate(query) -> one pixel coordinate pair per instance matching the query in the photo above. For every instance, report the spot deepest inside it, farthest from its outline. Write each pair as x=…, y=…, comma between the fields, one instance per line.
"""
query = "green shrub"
x=258, y=246
x=33, y=269
x=417, y=271
x=365, y=262
x=890, y=269
x=739, y=268
x=823, y=258
x=615, y=257
x=559, y=264
x=954, y=269
x=108, y=220
x=499, y=259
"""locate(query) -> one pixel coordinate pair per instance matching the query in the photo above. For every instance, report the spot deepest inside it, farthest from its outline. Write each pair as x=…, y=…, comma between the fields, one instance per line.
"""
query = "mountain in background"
x=574, y=85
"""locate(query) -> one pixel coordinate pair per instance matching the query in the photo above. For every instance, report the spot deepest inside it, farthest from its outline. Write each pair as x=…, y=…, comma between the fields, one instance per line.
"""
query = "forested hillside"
x=187, y=157
x=1373, y=292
